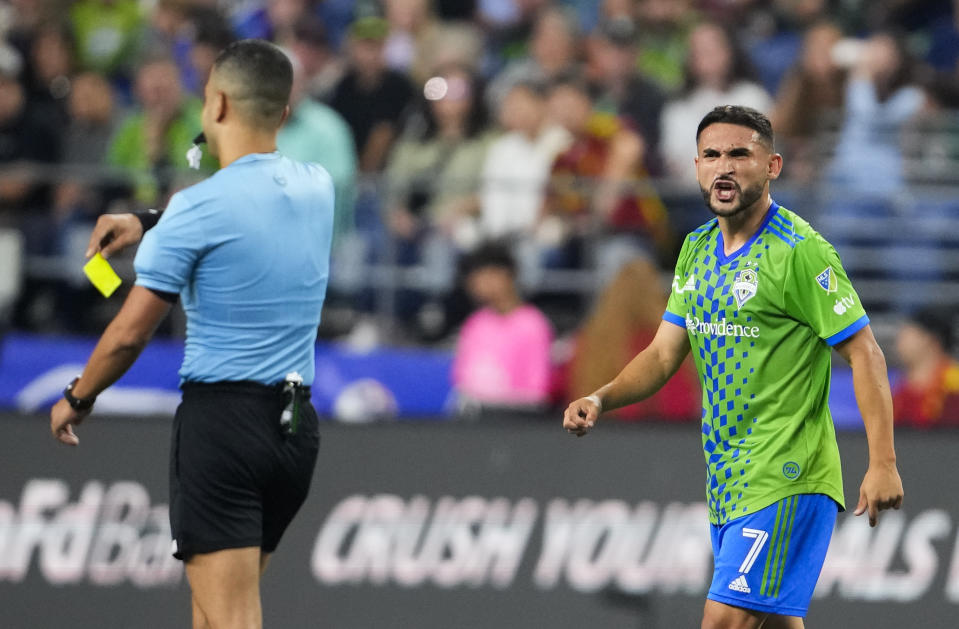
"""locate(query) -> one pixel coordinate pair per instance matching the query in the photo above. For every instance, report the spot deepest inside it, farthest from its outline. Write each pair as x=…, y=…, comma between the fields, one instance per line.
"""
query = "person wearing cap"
x=927, y=393
x=370, y=96
x=247, y=250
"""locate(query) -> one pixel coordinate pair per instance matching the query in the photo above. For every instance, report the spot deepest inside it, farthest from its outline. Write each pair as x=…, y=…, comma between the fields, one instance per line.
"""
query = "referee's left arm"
x=117, y=350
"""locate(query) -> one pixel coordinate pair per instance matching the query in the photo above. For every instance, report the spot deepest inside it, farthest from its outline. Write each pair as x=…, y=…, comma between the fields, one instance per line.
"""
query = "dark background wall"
x=494, y=524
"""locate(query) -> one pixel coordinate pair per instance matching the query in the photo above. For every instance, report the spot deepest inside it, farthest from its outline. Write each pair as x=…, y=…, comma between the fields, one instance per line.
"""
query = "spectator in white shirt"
x=717, y=73
x=516, y=172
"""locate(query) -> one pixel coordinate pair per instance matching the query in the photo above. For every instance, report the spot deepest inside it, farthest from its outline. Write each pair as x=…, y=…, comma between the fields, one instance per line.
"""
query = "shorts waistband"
x=239, y=386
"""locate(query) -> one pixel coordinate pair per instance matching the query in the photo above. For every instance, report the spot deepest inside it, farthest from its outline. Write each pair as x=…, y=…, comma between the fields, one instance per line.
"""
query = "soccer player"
x=761, y=299
x=247, y=251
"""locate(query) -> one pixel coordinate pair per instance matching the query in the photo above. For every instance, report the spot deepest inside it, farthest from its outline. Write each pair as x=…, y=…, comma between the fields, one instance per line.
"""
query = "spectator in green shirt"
x=152, y=142
x=107, y=34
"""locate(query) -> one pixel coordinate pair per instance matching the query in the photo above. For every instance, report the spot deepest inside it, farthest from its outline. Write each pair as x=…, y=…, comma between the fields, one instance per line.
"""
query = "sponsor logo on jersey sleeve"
x=843, y=304
x=745, y=285
x=827, y=280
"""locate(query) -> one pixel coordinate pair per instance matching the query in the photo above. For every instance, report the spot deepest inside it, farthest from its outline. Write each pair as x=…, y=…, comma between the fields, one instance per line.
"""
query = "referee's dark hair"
x=742, y=116
x=257, y=77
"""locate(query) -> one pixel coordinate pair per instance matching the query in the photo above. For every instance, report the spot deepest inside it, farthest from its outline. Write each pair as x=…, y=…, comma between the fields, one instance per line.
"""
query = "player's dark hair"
x=260, y=77
x=742, y=116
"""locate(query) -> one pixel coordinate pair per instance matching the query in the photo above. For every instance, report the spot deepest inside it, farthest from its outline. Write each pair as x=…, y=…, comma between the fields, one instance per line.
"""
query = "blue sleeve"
x=169, y=252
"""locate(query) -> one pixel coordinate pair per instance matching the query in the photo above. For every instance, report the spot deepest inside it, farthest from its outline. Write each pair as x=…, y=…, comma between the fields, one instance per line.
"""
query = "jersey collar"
x=255, y=157
x=721, y=256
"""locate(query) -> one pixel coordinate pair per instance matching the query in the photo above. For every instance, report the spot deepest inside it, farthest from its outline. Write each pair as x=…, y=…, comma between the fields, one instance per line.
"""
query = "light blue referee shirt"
x=248, y=251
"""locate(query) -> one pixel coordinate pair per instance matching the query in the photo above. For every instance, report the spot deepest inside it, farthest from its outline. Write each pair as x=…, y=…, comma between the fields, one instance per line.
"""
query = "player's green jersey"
x=761, y=322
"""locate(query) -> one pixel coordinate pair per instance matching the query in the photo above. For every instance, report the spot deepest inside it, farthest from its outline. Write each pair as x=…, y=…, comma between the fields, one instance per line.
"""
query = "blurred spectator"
x=314, y=132
x=322, y=68
x=879, y=101
x=152, y=142
x=943, y=52
x=51, y=63
x=371, y=97
x=516, y=171
x=623, y=322
x=211, y=34
x=274, y=20
x=107, y=34
x=412, y=27
x=599, y=185
x=509, y=25
x=809, y=97
x=927, y=395
x=28, y=141
x=171, y=32
x=775, y=32
x=717, y=73
x=621, y=89
x=502, y=356
x=93, y=123
x=665, y=25
x=433, y=175
x=192, y=34
x=553, y=52
x=418, y=43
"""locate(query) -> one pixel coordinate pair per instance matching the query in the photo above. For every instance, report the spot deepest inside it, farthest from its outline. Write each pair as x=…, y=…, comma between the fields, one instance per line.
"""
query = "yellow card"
x=102, y=275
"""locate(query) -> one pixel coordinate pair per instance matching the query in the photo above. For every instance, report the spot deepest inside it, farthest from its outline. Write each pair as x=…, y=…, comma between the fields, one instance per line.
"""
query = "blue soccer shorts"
x=770, y=560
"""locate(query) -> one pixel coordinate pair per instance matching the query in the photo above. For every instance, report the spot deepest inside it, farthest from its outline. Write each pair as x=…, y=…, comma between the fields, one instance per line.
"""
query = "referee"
x=247, y=251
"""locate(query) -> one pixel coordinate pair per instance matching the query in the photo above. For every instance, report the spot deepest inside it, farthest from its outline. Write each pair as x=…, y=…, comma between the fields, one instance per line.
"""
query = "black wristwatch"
x=76, y=403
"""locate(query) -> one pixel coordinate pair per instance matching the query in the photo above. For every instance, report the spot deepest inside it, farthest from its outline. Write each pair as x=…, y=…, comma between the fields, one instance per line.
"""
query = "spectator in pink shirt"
x=502, y=358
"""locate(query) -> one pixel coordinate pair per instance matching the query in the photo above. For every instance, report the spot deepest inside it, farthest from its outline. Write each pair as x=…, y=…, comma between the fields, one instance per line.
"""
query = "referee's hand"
x=113, y=233
x=62, y=420
x=580, y=416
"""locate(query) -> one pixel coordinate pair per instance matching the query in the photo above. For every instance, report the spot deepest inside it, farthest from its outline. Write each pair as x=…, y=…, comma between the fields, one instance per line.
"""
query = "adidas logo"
x=739, y=584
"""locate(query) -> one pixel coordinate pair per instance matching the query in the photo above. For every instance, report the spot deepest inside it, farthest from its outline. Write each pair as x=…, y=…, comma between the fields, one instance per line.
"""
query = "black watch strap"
x=148, y=218
x=76, y=403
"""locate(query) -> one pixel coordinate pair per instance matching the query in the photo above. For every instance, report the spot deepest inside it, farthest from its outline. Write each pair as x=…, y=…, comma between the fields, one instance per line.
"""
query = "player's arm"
x=117, y=350
x=881, y=488
x=115, y=232
x=642, y=377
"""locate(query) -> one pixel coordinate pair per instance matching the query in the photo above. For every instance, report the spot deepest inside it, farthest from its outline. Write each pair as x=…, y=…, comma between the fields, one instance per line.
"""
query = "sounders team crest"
x=744, y=286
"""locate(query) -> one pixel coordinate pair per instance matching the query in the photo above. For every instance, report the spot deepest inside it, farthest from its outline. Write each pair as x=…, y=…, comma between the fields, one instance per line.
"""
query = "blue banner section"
x=352, y=386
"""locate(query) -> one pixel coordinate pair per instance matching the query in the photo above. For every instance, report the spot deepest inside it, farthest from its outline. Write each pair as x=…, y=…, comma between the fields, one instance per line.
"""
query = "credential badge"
x=827, y=280
x=744, y=286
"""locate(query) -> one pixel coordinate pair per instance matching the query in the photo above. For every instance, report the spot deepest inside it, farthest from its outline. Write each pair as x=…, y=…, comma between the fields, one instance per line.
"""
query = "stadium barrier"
x=425, y=525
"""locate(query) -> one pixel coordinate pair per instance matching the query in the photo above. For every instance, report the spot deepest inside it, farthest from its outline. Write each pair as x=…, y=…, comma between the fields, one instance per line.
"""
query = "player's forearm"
x=641, y=378
x=871, y=384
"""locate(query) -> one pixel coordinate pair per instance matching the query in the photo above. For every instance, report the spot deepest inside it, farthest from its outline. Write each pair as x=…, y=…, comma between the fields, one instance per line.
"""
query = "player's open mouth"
x=725, y=190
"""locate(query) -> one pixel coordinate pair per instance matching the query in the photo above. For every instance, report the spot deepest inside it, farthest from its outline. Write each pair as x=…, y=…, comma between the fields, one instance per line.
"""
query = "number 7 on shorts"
x=759, y=540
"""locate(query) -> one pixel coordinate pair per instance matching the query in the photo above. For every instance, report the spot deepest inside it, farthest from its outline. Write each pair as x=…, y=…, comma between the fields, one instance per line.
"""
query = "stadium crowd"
x=560, y=129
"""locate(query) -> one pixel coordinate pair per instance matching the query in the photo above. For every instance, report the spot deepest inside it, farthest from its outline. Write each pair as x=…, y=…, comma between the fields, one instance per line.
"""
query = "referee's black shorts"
x=236, y=480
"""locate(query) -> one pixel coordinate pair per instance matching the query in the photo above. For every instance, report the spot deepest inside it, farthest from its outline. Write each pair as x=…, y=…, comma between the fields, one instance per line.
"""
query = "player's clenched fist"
x=580, y=415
